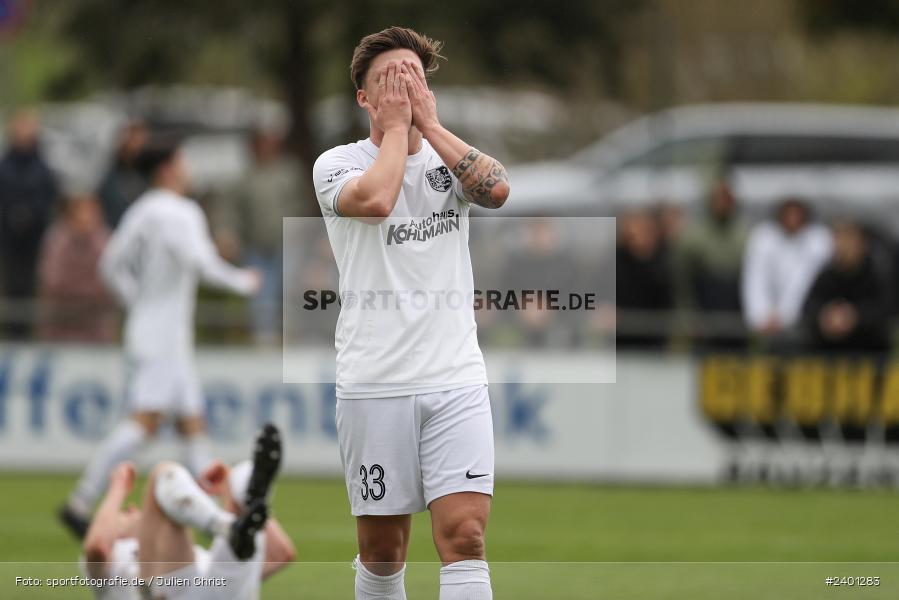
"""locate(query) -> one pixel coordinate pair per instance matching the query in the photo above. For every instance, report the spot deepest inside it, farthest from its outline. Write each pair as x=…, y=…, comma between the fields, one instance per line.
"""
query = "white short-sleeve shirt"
x=406, y=324
x=153, y=262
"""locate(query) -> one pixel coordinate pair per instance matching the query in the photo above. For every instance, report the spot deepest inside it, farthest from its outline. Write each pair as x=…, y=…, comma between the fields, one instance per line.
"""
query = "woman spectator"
x=75, y=305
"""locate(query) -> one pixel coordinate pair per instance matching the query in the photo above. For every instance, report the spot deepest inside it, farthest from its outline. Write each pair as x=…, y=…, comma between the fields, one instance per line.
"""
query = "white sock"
x=465, y=580
x=184, y=502
x=120, y=445
x=378, y=587
x=197, y=455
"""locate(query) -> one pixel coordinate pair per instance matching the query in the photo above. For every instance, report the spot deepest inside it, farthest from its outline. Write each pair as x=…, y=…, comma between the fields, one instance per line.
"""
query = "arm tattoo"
x=478, y=174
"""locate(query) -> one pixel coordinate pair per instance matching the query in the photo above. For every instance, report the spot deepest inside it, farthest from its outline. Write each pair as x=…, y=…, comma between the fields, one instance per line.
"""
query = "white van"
x=841, y=158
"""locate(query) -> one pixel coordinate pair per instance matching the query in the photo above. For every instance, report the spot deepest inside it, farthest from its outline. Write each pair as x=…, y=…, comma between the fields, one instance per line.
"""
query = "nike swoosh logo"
x=470, y=476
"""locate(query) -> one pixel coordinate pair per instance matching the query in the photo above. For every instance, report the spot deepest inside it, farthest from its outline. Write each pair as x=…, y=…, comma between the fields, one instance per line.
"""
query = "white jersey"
x=241, y=579
x=123, y=569
x=406, y=324
x=153, y=262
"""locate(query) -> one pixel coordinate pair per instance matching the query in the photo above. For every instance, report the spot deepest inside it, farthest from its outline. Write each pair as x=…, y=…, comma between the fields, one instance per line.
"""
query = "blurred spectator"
x=315, y=269
x=27, y=195
x=123, y=183
x=250, y=224
x=782, y=259
x=542, y=263
x=643, y=275
x=673, y=222
x=75, y=305
x=849, y=304
x=708, y=259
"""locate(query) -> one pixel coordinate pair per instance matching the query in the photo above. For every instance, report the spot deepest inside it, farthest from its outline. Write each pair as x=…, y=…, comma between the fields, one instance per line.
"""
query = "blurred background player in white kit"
x=154, y=542
x=152, y=263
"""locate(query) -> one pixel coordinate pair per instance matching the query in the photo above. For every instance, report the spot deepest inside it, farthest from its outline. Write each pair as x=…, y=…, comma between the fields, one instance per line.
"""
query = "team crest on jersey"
x=439, y=178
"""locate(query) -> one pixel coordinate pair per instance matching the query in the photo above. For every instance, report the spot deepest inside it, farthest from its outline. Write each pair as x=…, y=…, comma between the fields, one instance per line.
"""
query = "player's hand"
x=394, y=111
x=424, y=102
x=214, y=479
x=123, y=475
x=772, y=326
x=838, y=319
x=255, y=276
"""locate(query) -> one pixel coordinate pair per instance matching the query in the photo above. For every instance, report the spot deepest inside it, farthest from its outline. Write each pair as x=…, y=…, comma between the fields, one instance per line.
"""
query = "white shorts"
x=165, y=386
x=215, y=574
x=400, y=454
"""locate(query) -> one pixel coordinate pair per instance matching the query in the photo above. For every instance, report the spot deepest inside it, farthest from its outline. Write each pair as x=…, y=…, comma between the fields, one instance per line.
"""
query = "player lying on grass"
x=155, y=542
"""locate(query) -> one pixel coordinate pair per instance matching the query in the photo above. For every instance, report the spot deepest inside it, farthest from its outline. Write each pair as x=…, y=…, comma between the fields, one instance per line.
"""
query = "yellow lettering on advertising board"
x=721, y=384
x=853, y=391
x=889, y=396
x=805, y=382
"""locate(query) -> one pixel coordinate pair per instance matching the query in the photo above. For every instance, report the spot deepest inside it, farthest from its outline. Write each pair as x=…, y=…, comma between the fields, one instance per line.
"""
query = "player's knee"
x=94, y=550
x=150, y=422
x=381, y=553
x=465, y=539
x=384, y=549
x=164, y=468
x=288, y=554
x=190, y=426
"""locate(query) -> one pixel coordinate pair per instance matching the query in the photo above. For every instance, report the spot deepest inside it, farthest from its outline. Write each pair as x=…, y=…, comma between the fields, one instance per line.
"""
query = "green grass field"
x=550, y=541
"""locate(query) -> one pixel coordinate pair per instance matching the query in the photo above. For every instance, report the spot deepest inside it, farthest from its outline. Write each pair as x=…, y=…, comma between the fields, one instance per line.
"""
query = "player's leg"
x=197, y=454
x=457, y=460
x=150, y=385
x=249, y=498
x=459, y=524
x=248, y=484
x=166, y=543
x=110, y=522
x=378, y=441
x=383, y=542
x=381, y=563
x=175, y=502
x=191, y=421
x=119, y=446
x=253, y=480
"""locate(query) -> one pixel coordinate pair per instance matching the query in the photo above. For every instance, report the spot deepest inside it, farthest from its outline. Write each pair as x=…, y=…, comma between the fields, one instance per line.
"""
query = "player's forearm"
x=377, y=190
x=117, y=279
x=483, y=178
x=219, y=273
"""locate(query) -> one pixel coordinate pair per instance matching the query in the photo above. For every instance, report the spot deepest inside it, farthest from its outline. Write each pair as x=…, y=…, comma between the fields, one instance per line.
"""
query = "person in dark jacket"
x=848, y=306
x=645, y=292
x=28, y=192
x=124, y=182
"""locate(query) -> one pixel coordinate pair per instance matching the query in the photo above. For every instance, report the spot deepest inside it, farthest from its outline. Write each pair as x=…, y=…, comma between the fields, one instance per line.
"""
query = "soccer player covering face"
x=153, y=262
x=413, y=415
